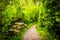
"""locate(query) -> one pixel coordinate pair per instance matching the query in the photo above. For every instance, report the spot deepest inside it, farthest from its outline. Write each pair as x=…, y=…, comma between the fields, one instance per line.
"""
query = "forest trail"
x=32, y=34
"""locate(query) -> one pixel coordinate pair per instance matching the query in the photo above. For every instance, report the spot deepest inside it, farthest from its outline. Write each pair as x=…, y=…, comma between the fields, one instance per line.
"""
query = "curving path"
x=31, y=34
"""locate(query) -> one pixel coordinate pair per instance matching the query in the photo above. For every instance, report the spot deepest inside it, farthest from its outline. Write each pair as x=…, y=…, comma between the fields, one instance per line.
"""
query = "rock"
x=15, y=29
x=14, y=26
x=20, y=25
x=13, y=32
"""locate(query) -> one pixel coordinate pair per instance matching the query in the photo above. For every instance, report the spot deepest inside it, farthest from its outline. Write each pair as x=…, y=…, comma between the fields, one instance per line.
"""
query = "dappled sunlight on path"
x=32, y=34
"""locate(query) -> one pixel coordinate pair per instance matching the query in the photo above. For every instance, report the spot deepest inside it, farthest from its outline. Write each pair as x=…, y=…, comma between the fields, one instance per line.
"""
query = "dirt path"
x=32, y=34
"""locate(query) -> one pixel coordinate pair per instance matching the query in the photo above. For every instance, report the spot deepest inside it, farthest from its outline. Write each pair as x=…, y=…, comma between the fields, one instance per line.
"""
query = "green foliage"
x=46, y=15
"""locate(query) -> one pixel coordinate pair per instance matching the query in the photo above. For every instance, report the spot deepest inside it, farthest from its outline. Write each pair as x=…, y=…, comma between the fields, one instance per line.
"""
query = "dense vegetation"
x=44, y=13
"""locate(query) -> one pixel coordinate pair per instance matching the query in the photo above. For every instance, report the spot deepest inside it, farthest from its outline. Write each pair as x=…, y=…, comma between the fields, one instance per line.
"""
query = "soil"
x=32, y=34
